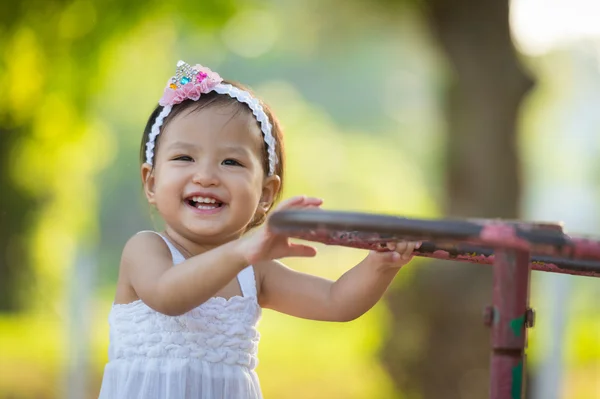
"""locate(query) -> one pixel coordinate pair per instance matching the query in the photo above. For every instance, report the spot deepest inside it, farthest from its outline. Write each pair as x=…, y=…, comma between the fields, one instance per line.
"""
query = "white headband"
x=190, y=83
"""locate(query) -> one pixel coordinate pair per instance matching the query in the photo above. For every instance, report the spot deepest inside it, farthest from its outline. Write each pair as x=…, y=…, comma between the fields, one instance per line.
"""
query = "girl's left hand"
x=399, y=254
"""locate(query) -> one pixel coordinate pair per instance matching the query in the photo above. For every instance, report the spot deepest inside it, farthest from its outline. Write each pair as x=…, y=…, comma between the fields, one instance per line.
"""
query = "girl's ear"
x=270, y=189
x=149, y=181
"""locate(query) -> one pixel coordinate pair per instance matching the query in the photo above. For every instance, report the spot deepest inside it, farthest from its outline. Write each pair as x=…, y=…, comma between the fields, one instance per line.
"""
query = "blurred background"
x=424, y=108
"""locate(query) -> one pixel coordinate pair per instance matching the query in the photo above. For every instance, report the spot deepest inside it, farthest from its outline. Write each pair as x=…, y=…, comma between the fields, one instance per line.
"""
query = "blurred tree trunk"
x=438, y=346
x=14, y=264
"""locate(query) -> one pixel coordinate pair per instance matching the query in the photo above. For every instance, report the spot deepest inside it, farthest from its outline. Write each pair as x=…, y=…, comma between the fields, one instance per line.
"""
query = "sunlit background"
x=360, y=88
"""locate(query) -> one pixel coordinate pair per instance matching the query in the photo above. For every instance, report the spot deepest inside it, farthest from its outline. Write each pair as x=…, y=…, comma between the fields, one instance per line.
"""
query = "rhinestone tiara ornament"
x=185, y=73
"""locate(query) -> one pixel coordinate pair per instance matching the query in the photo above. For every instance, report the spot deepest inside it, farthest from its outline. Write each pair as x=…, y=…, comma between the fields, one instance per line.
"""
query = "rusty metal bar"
x=485, y=256
x=470, y=241
x=509, y=318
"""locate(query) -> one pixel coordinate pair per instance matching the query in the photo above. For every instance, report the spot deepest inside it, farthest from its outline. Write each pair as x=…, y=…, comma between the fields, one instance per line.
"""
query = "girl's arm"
x=316, y=298
x=147, y=267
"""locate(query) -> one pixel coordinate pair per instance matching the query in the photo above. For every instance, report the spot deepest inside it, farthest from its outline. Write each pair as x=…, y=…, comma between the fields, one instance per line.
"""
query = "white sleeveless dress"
x=209, y=352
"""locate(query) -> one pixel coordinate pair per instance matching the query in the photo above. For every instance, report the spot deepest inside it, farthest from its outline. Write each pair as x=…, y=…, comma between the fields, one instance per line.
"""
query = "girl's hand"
x=263, y=244
x=400, y=254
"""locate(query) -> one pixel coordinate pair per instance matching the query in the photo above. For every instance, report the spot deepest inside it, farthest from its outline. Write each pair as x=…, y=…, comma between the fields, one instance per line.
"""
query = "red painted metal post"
x=509, y=318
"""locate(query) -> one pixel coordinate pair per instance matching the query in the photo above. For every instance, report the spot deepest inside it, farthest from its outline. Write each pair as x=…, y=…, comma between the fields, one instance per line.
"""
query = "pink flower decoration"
x=192, y=90
x=168, y=97
x=206, y=85
x=179, y=96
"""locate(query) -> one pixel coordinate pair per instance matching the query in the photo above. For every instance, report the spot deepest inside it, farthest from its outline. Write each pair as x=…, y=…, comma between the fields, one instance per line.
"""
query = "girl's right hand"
x=264, y=245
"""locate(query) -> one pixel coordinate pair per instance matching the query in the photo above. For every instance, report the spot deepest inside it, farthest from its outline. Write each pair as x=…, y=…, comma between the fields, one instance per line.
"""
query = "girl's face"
x=208, y=182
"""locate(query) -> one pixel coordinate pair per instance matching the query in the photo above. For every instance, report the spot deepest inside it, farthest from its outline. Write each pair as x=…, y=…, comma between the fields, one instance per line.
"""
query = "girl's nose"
x=206, y=176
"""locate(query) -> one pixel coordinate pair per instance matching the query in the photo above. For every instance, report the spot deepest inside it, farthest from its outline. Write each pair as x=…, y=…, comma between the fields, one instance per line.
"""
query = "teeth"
x=204, y=200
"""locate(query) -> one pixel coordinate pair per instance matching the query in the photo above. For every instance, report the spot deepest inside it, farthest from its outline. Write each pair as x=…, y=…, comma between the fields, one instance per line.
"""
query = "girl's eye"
x=184, y=158
x=231, y=162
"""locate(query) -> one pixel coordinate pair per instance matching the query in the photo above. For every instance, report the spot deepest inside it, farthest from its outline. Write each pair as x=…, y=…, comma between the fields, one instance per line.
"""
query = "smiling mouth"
x=204, y=203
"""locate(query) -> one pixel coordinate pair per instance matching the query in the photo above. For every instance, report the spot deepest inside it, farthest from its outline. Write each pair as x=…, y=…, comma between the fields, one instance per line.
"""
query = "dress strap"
x=175, y=254
x=247, y=282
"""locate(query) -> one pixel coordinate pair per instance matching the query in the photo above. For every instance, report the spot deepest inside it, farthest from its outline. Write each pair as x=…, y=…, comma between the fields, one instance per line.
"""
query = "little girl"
x=212, y=165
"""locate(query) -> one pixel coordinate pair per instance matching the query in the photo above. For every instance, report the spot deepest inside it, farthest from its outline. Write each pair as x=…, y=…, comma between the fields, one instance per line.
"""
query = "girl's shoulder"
x=144, y=237
x=145, y=256
x=144, y=244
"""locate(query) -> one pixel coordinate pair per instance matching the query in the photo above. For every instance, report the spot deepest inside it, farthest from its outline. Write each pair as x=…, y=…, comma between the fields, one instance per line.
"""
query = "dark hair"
x=214, y=99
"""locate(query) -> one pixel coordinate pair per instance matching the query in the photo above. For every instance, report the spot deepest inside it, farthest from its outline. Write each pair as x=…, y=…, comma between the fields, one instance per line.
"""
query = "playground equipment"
x=514, y=248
